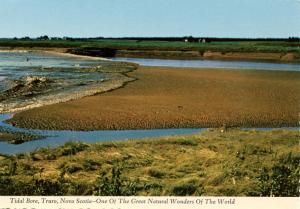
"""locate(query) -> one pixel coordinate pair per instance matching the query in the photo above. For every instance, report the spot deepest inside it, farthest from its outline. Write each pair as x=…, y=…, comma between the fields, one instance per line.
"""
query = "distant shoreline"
x=55, y=52
x=264, y=51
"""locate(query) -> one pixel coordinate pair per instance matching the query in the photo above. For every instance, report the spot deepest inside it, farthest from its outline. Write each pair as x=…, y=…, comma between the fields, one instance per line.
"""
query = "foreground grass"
x=235, y=163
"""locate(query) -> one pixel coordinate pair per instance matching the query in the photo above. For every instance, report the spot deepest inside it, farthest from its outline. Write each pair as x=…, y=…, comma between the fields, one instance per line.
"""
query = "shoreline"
x=274, y=57
x=212, y=55
x=159, y=99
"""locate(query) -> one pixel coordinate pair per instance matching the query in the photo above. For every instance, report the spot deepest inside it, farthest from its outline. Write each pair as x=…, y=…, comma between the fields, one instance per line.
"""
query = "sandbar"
x=164, y=97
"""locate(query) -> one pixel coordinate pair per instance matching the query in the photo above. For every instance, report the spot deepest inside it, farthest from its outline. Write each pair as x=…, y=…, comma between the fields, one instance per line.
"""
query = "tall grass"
x=235, y=162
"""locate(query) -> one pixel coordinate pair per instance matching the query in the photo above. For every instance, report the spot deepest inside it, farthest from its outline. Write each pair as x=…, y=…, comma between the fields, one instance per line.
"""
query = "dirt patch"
x=254, y=56
x=290, y=57
x=159, y=54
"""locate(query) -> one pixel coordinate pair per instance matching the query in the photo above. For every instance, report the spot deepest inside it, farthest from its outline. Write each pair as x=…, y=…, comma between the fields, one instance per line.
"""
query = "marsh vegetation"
x=232, y=163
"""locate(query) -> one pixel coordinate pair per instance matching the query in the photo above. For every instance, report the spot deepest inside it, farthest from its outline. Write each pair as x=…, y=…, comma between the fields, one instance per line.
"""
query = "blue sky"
x=121, y=18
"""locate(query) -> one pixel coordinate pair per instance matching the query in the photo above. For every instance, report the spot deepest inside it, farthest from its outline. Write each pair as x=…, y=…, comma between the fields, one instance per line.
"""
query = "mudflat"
x=164, y=97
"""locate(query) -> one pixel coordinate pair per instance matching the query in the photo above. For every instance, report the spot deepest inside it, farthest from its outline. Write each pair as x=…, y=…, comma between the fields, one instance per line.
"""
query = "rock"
x=29, y=80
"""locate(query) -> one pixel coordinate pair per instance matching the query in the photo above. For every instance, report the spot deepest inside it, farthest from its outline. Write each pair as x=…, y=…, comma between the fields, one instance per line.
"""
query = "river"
x=241, y=65
x=14, y=66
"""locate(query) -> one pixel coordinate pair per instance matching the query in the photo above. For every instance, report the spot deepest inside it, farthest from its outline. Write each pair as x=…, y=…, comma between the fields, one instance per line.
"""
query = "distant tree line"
x=208, y=39
x=189, y=38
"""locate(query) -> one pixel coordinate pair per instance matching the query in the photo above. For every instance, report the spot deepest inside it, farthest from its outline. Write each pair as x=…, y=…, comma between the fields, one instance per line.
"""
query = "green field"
x=236, y=46
x=213, y=163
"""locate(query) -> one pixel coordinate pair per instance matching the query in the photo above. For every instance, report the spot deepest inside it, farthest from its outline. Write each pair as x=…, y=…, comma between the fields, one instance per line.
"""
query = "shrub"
x=9, y=186
x=114, y=186
x=148, y=186
x=46, y=187
x=71, y=148
x=282, y=179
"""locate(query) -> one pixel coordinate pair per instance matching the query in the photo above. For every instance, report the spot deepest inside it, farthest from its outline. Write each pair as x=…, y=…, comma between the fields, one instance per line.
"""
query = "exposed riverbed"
x=30, y=80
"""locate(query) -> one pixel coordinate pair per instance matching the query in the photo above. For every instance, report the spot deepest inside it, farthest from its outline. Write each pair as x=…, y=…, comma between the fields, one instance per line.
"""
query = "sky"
x=150, y=18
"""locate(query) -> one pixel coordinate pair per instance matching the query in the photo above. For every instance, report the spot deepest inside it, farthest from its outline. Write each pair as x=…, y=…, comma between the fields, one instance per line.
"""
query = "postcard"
x=149, y=104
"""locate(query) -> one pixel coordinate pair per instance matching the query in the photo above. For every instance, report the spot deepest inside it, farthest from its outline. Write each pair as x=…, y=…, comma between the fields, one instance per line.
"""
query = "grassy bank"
x=235, y=162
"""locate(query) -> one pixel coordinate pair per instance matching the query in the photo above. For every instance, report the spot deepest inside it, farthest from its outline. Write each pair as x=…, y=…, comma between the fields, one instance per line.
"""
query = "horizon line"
x=129, y=37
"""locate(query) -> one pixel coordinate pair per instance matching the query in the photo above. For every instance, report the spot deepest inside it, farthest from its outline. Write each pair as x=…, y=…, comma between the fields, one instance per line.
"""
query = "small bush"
x=114, y=186
x=47, y=187
x=156, y=186
x=71, y=148
x=33, y=187
x=281, y=180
